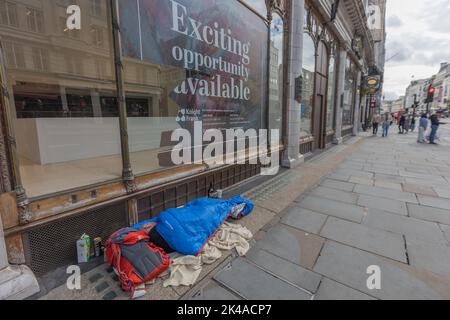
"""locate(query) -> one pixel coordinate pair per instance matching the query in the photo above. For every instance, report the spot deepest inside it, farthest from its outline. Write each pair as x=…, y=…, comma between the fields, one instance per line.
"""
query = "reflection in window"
x=8, y=13
x=259, y=6
x=207, y=88
x=35, y=20
x=308, y=73
x=66, y=116
x=349, y=94
x=331, y=93
x=276, y=73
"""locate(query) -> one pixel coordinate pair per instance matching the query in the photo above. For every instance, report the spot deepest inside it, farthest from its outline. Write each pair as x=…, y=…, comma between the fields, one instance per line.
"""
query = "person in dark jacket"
x=401, y=124
x=434, y=128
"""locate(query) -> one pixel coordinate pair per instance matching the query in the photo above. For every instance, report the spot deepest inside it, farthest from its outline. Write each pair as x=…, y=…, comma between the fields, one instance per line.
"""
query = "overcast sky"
x=419, y=35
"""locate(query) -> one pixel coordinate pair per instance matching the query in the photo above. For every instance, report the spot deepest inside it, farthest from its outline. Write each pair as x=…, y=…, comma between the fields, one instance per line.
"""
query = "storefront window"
x=331, y=93
x=258, y=5
x=276, y=73
x=62, y=86
x=308, y=73
x=190, y=63
x=349, y=94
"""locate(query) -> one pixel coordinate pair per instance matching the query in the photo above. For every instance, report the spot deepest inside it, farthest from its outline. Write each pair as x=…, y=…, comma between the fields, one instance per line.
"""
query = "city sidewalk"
x=370, y=202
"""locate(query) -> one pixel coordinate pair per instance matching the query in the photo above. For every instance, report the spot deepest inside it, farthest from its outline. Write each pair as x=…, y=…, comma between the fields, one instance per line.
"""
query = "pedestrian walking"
x=407, y=124
x=423, y=126
x=376, y=119
x=401, y=124
x=434, y=128
x=386, y=124
x=413, y=123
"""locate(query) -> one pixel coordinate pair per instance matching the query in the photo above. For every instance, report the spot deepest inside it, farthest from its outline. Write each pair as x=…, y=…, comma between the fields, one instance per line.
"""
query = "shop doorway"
x=319, y=129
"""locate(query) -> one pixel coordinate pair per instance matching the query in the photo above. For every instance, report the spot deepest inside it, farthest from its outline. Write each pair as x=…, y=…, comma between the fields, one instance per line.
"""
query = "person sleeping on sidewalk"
x=187, y=229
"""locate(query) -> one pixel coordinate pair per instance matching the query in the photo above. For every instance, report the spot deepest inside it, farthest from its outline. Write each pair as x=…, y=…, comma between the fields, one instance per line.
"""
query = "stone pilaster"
x=292, y=157
x=342, y=56
x=357, y=115
x=16, y=282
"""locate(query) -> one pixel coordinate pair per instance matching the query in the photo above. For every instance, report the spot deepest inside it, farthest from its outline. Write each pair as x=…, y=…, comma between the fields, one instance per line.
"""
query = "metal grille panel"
x=54, y=245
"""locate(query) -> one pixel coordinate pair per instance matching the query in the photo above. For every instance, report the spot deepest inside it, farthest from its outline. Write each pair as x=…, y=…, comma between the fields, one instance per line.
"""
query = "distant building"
x=398, y=104
x=441, y=83
x=417, y=92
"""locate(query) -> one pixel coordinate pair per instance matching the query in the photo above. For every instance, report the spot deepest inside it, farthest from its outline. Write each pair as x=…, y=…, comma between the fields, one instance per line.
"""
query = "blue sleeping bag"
x=187, y=229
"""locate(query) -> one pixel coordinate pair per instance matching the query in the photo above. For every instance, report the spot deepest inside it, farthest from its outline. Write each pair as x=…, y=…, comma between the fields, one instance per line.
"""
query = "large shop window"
x=258, y=5
x=63, y=88
x=331, y=93
x=194, y=65
x=349, y=94
x=308, y=73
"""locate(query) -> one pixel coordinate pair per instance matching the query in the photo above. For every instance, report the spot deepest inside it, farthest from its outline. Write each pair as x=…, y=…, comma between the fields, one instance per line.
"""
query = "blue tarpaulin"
x=187, y=229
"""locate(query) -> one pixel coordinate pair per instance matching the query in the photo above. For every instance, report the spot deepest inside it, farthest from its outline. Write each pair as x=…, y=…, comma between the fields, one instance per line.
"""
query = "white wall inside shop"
x=48, y=141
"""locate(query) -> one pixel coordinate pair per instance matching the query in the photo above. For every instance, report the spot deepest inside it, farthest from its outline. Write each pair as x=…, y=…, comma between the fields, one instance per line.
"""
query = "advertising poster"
x=219, y=49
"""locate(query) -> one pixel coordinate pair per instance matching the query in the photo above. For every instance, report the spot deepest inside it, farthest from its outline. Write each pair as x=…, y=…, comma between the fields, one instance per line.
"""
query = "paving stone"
x=388, y=185
x=446, y=230
x=429, y=256
x=338, y=185
x=386, y=193
x=332, y=290
x=391, y=178
x=425, y=182
x=384, y=243
x=291, y=244
x=439, y=203
x=339, y=177
x=381, y=170
x=384, y=204
x=95, y=277
x=417, y=189
x=362, y=181
x=443, y=193
x=352, y=165
x=429, y=213
x=410, y=227
x=348, y=266
x=110, y=296
x=304, y=219
x=334, y=208
x=253, y=283
x=101, y=287
x=421, y=176
x=336, y=195
x=286, y=270
x=212, y=291
x=354, y=173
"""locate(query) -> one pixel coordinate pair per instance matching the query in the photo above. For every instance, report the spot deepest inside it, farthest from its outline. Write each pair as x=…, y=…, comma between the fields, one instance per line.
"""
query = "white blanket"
x=185, y=270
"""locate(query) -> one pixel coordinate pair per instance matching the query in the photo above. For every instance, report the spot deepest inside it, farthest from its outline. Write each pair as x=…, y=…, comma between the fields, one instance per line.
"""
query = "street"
x=320, y=229
x=387, y=206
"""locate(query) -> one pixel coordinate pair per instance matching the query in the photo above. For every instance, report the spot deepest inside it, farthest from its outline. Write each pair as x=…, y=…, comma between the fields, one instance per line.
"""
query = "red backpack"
x=135, y=259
